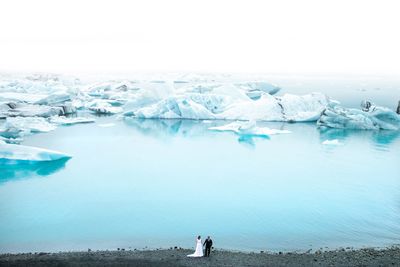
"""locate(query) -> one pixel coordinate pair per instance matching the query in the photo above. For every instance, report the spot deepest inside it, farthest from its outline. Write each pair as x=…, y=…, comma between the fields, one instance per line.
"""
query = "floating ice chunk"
x=10, y=140
x=61, y=120
x=334, y=142
x=21, y=97
x=248, y=128
x=220, y=106
x=29, y=124
x=68, y=108
x=266, y=108
x=55, y=98
x=14, y=154
x=188, y=107
x=106, y=110
x=106, y=125
x=101, y=106
x=303, y=108
x=28, y=110
x=373, y=118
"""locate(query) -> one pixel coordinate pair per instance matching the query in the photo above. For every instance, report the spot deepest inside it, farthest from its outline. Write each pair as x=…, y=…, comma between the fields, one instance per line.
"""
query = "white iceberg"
x=218, y=106
x=334, y=142
x=188, y=96
x=62, y=120
x=370, y=118
x=14, y=154
x=106, y=125
x=28, y=124
x=248, y=128
x=101, y=106
x=55, y=98
x=28, y=110
x=21, y=97
x=10, y=140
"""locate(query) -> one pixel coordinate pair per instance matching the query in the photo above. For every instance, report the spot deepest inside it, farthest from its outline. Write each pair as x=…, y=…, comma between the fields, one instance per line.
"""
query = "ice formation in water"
x=369, y=118
x=40, y=103
x=62, y=120
x=46, y=101
x=14, y=154
x=334, y=142
x=248, y=128
x=236, y=106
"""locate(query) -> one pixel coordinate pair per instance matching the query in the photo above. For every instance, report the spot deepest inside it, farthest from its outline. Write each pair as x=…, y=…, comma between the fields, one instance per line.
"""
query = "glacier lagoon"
x=134, y=183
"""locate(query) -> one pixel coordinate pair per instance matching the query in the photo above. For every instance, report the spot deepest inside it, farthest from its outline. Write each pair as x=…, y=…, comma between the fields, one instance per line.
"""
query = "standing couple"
x=199, y=248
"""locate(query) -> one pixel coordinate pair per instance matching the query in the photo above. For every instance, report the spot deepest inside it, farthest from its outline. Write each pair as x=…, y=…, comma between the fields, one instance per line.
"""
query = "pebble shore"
x=177, y=257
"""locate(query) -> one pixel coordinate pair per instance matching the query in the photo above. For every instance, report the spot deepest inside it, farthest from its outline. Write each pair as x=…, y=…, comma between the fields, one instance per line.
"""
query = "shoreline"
x=389, y=256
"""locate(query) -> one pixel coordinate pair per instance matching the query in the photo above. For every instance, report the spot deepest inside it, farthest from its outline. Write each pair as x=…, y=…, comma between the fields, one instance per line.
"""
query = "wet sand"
x=177, y=257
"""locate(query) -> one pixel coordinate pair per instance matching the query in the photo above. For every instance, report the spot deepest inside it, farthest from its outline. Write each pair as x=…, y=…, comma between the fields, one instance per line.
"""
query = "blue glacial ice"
x=40, y=103
x=370, y=117
x=16, y=154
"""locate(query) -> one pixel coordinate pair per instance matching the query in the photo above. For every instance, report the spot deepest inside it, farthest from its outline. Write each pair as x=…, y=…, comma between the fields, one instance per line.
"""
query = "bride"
x=199, y=249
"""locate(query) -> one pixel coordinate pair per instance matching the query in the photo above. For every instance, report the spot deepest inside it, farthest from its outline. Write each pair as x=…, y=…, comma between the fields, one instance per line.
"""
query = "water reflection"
x=165, y=128
x=380, y=139
x=168, y=128
x=385, y=137
x=28, y=170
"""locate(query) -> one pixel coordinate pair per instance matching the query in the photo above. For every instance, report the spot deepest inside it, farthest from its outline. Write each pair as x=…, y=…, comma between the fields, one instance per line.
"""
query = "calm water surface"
x=160, y=183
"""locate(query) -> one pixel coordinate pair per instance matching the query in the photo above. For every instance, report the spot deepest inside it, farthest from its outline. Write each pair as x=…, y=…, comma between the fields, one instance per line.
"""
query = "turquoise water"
x=160, y=183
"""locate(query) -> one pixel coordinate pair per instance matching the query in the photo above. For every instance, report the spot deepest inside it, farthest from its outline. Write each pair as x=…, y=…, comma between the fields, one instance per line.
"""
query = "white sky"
x=203, y=35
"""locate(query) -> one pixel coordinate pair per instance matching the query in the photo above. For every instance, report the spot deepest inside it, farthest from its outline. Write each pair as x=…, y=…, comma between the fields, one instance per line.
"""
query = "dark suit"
x=208, y=243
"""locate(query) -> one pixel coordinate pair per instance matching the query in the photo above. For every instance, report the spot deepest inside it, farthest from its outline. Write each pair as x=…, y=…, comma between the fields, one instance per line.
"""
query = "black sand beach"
x=177, y=257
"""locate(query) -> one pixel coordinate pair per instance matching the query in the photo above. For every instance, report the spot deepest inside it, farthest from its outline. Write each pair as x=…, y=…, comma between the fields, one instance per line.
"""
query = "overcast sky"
x=204, y=35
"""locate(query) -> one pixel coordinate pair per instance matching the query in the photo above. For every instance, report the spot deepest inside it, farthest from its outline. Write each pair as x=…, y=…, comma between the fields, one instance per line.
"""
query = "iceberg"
x=188, y=96
x=334, y=142
x=248, y=128
x=106, y=125
x=15, y=154
x=370, y=118
x=100, y=106
x=62, y=120
x=54, y=99
x=10, y=140
x=28, y=124
x=217, y=106
x=29, y=110
x=21, y=97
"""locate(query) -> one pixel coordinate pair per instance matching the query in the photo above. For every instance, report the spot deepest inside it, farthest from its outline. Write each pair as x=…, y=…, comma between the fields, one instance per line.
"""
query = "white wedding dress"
x=199, y=249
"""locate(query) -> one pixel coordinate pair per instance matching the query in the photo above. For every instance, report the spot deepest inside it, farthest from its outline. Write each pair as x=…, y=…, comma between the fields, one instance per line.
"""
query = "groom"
x=208, y=243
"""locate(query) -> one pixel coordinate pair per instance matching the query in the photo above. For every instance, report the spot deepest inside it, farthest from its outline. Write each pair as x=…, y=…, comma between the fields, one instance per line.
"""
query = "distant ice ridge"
x=40, y=103
x=248, y=128
x=15, y=154
x=235, y=106
x=371, y=117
